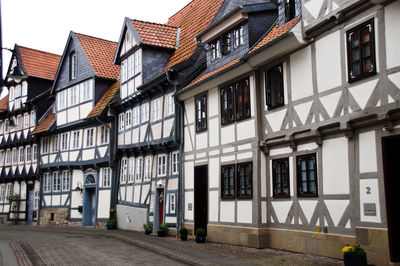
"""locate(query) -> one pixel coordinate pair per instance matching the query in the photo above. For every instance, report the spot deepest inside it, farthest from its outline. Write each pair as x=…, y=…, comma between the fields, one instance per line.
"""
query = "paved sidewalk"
x=191, y=253
x=7, y=256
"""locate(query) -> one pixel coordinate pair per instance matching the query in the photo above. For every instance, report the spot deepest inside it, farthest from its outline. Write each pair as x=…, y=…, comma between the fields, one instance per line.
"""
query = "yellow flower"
x=347, y=249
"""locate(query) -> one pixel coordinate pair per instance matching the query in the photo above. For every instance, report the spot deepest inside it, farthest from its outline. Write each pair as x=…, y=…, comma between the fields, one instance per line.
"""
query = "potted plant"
x=200, y=235
x=112, y=222
x=148, y=228
x=162, y=229
x=354, y=255
x=14, y=205
x=183, y=233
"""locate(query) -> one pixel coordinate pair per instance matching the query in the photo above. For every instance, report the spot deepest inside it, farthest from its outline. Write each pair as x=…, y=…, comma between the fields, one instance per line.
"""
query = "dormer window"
x=238, y=37
x=226, y=44
x=130, y=75
x=290, y=9
x=72, y=66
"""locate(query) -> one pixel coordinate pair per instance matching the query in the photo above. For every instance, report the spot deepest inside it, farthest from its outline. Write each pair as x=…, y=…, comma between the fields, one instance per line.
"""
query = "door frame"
x=196, y=219
x=90, y=185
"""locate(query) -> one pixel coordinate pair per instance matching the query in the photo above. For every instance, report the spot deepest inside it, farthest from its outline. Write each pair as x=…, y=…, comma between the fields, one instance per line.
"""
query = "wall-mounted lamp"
x=79, y=187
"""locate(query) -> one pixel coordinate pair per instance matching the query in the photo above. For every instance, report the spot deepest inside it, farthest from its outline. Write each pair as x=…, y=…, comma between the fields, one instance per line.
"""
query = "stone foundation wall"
x=59, y=216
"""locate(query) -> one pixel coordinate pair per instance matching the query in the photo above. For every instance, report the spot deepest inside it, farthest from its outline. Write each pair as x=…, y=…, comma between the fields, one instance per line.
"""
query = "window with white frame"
x=9, y=191
x=156, y=110
x=72, y=65
x=56, y=181
x=135, y=116
x=19, y=122
x=139, y=170
x=12, y=93
x=64, y=141
x=24, y=88
x=128, y=119
x=172, y=203
x=35, y=152
x=66, y=180
x=174, y=163
x=21, y=155
x=145, y=112
x=33, y=118
x=171, y=104
x=54, y=143
x=2, y=192
x=162, y=165
x=75, y=139
x=46, y=182
x=28, y=153
x=61, y=100
x=26, y=120
x=124, y=169
x=36, y=201
x=73, y=96
x=107, y=177
x=131, y=169
x=2, y=153
x=147, y=168
x=14, y=155
x=104, y=132
x=8, y=156
x=121, y=122
x=86, y=90
x=89, y=137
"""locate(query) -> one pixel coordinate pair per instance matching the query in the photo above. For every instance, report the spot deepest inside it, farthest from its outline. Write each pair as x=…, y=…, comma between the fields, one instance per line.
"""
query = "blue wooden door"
x=30, y=206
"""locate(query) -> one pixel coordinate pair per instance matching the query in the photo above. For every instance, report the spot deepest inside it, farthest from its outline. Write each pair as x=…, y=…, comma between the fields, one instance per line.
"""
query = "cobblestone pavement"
x=83, y=246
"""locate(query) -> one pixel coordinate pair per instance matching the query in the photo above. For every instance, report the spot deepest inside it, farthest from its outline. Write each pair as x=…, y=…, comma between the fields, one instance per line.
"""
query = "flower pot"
x=111, y=225
x=183, y=237
x=355, y=260
x=148, y=231
x=200, y=239
x=161, y=233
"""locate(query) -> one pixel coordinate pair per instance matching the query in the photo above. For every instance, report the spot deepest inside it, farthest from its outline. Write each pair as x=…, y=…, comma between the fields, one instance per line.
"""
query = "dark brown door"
x=160, y=205
x=391, y=168
x=200, y=197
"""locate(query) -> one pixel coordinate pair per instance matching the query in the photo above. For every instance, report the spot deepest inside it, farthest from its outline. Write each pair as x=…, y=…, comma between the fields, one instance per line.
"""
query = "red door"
x=160, y=205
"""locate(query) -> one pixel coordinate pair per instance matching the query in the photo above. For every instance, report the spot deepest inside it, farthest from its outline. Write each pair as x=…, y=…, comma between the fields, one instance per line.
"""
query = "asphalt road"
x=63, y=248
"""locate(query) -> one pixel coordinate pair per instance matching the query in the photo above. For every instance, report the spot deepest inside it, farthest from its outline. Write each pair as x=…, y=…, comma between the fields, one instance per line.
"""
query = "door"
x=160, y=192
x=31, y=197
x=391, y=168
x=89, y=207
x=201, y=197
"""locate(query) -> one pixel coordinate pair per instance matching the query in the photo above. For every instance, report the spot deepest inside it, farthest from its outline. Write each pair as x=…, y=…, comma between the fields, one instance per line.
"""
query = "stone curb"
x=20, y=254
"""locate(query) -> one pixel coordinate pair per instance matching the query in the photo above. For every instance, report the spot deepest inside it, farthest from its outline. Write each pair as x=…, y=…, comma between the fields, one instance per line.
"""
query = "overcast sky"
x=45, y=24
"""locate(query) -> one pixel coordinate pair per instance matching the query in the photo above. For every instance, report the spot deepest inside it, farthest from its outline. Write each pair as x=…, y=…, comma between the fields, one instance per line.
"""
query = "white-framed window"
x=147, y=168
x=66, y=180
x=6, y=126
x=18, y=91
x=35, y=152
x=36, y=201
x=45, y=145
x=64, y=141
x=2, y=192
x=54, y=143
x=2, y=153
x=73, y=96
x=61, y=99
x=138, y=61
x=14, y=155
x=107, y=177
x=26, y=120
x=21, y=154
x=104, y=133
x=33, y=118
x=8, y=157
x=174, y=163
x=75, y=139
x=89, y=137
x=72, y=65
x=124, y=169
x=131, y=169
x=139, y=170
x=9, y=191
x=156, y=110
x=28, y=153
x=128, y=119
x=12, y=91
x=145, y=112
x=24, y=88
x=171, y=105
x=135, y=116
x=46, y=182
x=56, y=181
x=172, y=203
x=238, y=37
x=19, y=122
x=121, y=122
x=162, y=165
x=86, y=91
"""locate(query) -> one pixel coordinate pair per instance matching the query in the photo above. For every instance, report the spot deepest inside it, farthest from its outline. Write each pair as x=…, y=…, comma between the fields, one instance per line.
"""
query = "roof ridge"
x=98, y=38
x=37, y=50
x=154, y=23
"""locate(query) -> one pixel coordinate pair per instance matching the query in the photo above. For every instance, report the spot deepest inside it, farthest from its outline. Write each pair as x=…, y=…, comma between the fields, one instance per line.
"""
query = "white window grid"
x=21, y=155
x=104, y=132
x=147, y=168
x=131, y=170
x=121, y=122
x=171, y=104
x=33, y=118
x=2, y=192
x=156, y=110
x=35, y=152
x=135, y=116
x=46, y=182
x=124, y=169
x=172, y=203
x=139, y=170
x=26, y=120
x=107, y=177
x=89, y=137
x=14, y=155
x=56, y=182
x=64, y=141
x=75, y=139
x=128, y=119
x=66, y=180
x=28, y=153
x=174, y=163
x=161, y=165
x=145, y=112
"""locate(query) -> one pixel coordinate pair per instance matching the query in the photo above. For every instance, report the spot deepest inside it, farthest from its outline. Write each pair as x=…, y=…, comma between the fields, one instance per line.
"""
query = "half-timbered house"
x=76, y=135
x=26, y=101
x=312, y=164
x=155, y=60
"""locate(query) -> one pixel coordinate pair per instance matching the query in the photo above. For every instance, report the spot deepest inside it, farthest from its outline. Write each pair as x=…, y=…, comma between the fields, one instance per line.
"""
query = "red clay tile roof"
x=100, y=54
x=156, y=34
x=45, y=124
x=212, y=73
x=192, y=19
x=274, y=33
x=103, y=102
x=4, y=103
x=38, y=63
